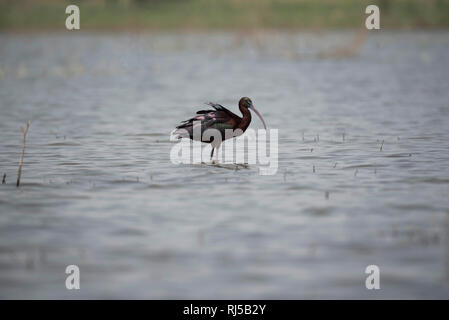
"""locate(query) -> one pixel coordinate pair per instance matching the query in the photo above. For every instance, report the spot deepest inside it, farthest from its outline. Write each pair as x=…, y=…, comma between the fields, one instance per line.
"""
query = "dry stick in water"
x=24, y=131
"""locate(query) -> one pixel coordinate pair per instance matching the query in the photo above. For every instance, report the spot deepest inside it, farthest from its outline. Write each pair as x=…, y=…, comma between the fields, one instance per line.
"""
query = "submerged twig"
x=24, y=131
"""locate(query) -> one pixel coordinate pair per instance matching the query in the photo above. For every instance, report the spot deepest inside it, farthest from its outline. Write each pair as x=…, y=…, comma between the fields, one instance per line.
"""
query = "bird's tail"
x=179, y=133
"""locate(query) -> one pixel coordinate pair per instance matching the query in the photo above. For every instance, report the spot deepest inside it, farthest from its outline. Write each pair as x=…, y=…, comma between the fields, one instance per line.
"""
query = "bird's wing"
x=220, y=119
x=220, y=108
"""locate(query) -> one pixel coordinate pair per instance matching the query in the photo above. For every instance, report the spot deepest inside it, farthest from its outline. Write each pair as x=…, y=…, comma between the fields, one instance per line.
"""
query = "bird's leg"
x=214, y=147
x=216, y=155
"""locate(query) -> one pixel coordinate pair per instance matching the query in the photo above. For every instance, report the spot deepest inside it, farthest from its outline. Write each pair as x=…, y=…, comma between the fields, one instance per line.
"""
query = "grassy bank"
x=221, y=14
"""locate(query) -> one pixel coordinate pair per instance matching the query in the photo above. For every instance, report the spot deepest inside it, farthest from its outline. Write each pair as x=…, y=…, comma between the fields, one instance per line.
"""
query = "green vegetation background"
x=222, y=14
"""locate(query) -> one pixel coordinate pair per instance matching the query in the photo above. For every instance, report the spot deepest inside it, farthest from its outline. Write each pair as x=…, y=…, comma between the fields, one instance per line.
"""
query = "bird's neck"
x=246, y=119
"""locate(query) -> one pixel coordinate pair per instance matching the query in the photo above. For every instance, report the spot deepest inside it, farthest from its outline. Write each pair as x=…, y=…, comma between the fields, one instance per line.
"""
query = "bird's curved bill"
x=259, y=115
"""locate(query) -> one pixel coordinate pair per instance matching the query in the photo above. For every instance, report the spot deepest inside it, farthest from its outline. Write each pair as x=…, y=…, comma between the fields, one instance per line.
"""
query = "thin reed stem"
x=24, y=131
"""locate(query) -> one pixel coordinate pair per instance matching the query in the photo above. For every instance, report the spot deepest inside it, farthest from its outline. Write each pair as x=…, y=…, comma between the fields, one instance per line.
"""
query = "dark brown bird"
x=220, y=119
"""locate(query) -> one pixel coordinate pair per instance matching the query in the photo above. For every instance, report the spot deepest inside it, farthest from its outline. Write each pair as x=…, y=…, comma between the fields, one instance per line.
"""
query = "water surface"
x=99, y=191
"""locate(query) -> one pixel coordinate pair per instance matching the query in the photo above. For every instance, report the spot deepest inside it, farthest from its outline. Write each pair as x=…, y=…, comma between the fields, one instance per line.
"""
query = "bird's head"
x=246, y=102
